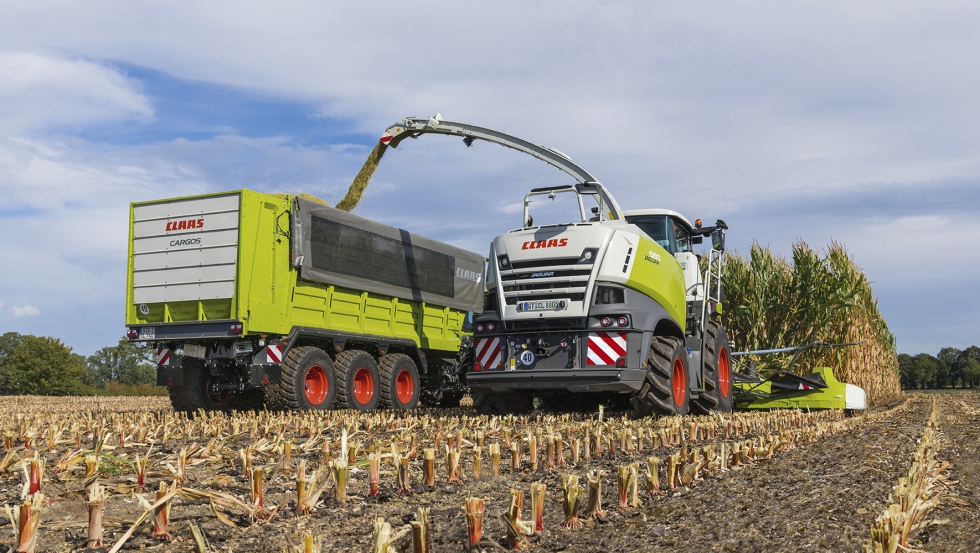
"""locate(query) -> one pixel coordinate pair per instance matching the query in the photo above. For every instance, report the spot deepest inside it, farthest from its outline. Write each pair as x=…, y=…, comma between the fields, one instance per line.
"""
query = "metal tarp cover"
x=343, y=249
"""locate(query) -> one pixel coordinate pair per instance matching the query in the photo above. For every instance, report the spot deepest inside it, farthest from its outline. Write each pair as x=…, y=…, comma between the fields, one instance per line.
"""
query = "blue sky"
x=812, y=121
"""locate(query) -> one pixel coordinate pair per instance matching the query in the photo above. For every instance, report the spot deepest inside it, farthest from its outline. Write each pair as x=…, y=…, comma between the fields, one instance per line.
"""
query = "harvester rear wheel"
x=195, y=392
x=358, y=381
x=399, y=382
x=308, y=381
x=666, y=390
x=716, y=375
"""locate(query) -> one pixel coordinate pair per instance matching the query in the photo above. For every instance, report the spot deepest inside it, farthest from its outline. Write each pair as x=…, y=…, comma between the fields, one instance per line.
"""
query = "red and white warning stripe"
x=163, y=357
x=606, y=347
x=274, y=353
x=488, y=352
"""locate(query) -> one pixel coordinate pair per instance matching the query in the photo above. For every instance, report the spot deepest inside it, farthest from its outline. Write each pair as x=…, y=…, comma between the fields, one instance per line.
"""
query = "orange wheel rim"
x=678, y=382
x=363, y=386
x=316, y=385
x=404, y=387
x=724, y=373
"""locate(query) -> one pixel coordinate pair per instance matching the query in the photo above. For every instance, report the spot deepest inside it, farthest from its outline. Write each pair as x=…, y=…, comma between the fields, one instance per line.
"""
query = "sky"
x=814, y=121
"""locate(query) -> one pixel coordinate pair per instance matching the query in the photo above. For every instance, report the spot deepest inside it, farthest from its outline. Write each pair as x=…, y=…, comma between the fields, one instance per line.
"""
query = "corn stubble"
x=233, y=458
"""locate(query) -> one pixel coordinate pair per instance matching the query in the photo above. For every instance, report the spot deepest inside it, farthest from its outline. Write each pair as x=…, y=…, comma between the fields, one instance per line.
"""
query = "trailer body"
x=233, y=281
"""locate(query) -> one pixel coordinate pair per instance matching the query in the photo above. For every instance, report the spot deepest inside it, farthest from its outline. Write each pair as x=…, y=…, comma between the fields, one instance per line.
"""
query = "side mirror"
x=696, y=239
x=718, y=240
x=529, y=222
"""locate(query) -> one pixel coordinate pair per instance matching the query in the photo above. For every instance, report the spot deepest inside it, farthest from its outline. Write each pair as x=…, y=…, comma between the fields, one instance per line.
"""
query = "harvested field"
x=781, y=481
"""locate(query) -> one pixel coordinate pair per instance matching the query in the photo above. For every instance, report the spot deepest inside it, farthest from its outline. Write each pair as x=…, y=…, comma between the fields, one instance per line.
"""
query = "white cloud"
x=708, y=108
x=39, y=91
x=25, y=311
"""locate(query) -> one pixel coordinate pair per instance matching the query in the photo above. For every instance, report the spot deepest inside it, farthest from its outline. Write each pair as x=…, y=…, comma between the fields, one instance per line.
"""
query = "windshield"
x=564, y=205
x=558, y=207
x=657, y=227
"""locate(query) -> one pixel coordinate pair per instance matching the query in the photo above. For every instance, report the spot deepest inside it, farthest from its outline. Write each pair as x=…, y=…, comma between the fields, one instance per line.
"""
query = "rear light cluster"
x=619, y=321
x=488, y=327
x=132, y=334
x=236, y=329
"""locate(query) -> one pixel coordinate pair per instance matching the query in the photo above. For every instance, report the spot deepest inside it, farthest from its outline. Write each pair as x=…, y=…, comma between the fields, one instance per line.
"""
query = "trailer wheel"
x=716, y=375
x=399, y=382
x=358, y=381
x=195, y=393
x=666, y=390
x=308, y=381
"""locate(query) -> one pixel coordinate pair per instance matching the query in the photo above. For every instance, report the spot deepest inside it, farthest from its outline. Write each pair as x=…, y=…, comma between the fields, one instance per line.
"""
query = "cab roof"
x=670, y=213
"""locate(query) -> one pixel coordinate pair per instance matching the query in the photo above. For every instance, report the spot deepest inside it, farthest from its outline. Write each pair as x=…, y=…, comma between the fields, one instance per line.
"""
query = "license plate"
x=148, y=333
x=551, y=305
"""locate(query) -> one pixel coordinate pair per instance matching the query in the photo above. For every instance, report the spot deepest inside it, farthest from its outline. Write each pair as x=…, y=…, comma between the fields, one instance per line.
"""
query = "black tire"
x=309, y=381
x=194, y=393
x=400, y=387
x=511, y=403
x=666, y=390
x=716, y=374
x=358, y=381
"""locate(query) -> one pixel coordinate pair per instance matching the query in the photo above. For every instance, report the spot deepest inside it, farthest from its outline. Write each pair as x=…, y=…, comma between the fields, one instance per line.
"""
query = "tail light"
x=491, y=327
x=623, y=321
x=477, y=367
x=236, y=329
x=605, y=321
x=480, y=327
x=621, y=362
x=132, y=334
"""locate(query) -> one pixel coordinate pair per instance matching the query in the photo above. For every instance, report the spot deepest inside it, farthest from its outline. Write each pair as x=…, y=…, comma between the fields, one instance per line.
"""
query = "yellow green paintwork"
x=271, y=299
x=831, y=397
x=657, y=274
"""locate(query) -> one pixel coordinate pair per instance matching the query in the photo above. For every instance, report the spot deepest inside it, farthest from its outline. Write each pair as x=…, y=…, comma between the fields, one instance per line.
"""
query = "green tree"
x=906, y=370
x=8, y=342
x=949, y=359
x=125, y=362
x=42, y=365
x=925, y=368
x=971, y=372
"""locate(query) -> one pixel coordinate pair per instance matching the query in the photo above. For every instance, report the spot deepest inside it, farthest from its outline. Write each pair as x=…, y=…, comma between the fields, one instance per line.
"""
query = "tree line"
x=44, y=365
x=951, y=367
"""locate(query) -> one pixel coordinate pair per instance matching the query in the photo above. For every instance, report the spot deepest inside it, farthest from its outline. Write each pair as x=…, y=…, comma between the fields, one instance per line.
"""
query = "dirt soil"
x=959, y=425
x=821, y=496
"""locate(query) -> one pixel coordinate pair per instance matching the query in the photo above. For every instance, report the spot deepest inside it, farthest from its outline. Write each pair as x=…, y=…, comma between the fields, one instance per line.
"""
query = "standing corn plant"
x=773, y=302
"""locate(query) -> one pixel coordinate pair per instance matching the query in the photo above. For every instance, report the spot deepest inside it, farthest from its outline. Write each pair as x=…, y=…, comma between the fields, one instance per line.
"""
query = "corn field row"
x=772, y=302
x=914, y=496
x=227, y=460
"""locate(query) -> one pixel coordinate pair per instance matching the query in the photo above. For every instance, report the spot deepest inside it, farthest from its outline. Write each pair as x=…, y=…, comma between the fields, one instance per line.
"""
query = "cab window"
x=658, y=228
